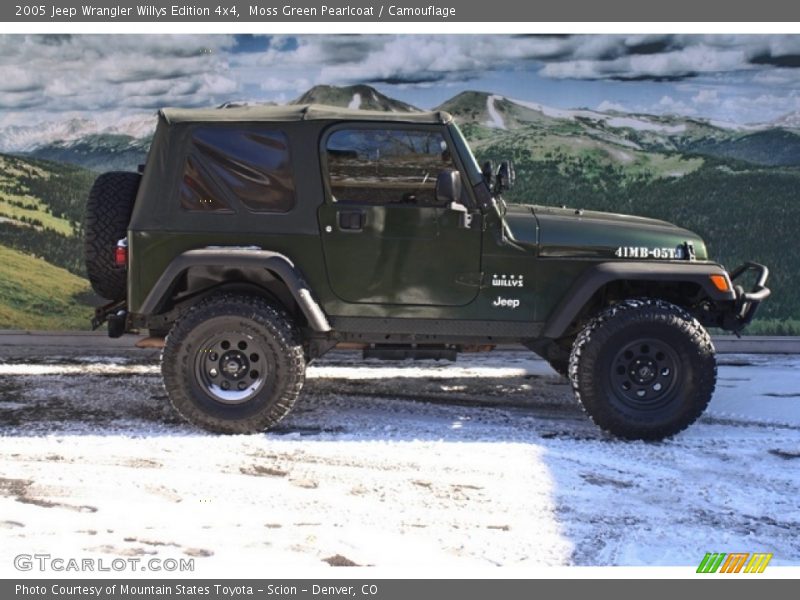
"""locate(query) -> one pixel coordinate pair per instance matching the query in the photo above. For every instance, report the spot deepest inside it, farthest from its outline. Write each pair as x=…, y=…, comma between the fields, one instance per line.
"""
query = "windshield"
x=462, y=147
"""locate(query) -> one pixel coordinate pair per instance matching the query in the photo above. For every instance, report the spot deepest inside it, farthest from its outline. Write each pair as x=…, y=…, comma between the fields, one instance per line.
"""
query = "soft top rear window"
x=248, y=165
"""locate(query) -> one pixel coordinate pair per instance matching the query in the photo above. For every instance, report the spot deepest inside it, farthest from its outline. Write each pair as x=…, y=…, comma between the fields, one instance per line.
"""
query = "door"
x=386, y=238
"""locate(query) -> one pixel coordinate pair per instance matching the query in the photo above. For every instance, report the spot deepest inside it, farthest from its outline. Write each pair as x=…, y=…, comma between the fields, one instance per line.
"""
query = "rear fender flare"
x=277, y=264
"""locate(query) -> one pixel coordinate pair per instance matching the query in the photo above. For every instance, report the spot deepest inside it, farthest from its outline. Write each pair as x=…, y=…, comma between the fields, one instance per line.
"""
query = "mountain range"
x=123, y=144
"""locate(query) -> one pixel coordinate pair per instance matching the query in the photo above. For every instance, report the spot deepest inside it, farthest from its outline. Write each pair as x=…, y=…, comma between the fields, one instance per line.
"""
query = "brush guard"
x=746, y=303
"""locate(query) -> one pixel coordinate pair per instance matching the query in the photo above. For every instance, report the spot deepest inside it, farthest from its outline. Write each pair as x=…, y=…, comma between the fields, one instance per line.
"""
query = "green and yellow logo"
x=719, y=562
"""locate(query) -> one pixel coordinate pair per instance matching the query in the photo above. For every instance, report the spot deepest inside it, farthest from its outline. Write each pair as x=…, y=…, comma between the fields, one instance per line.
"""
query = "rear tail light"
x=121, y=253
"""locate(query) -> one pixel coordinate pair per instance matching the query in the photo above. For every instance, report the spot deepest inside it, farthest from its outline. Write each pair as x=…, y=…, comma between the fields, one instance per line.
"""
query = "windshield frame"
x=468, y=160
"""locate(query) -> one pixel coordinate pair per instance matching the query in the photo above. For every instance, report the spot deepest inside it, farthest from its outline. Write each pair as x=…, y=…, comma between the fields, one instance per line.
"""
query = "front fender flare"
x=278, y=264
x=599, y=275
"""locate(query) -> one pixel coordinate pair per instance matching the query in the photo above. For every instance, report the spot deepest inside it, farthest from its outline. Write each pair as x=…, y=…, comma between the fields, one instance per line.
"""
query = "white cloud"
x=423, y=58
x=685, y=62
x=278, y=84
x=669, y=105
x=706, y=96
x=19, y=101
x=758, y=108
x=608, y=105
x=98, y=73
x=18, y=80
x=91, y=73
x=778, y=78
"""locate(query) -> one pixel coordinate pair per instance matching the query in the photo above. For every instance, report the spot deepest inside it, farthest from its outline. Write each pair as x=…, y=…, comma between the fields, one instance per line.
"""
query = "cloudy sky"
x=739, y=78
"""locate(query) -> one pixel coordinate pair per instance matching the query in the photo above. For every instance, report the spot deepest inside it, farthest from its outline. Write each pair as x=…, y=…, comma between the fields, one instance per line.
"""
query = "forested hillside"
x=42, y=279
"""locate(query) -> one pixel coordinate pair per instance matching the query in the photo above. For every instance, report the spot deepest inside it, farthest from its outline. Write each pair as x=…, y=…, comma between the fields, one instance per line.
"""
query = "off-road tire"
x=272, y=344
x=649, y=347
x=108, y=213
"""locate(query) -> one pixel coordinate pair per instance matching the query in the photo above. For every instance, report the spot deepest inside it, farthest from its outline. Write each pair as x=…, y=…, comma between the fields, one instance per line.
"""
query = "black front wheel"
x=643, y=369
x=233, y=364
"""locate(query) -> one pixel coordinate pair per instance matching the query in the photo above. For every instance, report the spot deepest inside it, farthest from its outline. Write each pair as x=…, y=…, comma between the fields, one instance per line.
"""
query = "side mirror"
x=505, y=176
x=448, y=187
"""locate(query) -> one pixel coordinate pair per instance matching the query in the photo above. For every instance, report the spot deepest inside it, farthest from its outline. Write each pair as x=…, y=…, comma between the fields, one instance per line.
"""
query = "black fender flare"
x=223, y=256
x=599, y=275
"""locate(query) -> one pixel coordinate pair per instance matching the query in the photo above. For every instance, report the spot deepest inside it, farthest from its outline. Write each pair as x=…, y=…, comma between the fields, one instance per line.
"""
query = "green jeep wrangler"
x=256, y=239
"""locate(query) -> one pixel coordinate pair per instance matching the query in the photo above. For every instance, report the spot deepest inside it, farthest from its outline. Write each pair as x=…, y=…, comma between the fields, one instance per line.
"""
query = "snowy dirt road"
x=485, y=462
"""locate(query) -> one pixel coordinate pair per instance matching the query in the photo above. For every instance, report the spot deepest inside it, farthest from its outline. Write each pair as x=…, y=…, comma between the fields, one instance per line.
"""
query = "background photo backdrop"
x=702, y=131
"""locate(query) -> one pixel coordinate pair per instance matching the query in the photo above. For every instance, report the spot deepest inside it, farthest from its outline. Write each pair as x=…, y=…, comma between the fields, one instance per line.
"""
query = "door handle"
x=352, y=220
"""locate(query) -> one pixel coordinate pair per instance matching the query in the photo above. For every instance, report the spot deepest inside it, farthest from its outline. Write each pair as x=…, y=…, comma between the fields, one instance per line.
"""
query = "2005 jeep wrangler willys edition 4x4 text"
x=259, y=238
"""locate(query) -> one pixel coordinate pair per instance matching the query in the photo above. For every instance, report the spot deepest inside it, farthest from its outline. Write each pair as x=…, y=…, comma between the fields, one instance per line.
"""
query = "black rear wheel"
x=233, y=367
x=233, y=364
x=643, y=369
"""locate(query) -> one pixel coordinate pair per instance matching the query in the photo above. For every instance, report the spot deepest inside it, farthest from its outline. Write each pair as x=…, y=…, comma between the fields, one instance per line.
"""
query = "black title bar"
x=466, y=11
x=385, y=589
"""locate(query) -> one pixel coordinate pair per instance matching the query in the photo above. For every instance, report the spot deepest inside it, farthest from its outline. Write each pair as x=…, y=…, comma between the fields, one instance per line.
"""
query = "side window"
x=248, y=165
x=386, y=166
x=198, y=191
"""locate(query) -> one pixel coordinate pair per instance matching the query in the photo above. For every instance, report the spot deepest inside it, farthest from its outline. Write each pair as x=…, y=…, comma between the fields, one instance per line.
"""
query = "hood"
x=577, y=233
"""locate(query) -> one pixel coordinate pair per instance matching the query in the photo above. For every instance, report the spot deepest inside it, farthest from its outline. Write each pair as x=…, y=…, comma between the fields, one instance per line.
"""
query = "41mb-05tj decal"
x=677, y=253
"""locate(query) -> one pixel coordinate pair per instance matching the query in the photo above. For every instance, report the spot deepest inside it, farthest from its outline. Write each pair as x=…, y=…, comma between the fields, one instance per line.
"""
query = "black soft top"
x=296, y=112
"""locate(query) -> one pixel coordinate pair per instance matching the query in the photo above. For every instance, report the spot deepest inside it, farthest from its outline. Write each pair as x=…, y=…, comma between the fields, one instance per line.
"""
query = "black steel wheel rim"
x=644, y=374
x=231, y=368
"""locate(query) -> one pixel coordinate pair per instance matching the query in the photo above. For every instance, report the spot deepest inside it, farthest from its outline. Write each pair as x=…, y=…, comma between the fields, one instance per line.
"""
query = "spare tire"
x=108, y=213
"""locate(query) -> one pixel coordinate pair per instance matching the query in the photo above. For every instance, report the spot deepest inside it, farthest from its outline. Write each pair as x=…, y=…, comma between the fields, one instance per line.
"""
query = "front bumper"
x=746, y=303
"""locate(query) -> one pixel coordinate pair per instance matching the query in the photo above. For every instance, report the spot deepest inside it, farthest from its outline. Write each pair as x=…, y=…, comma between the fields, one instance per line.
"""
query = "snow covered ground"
x=454, y=466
